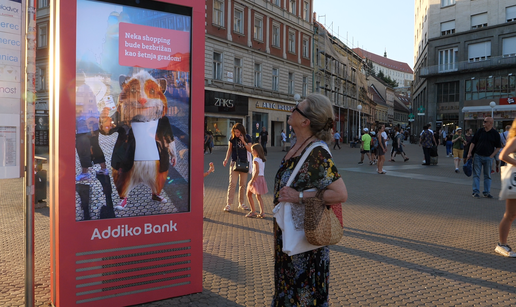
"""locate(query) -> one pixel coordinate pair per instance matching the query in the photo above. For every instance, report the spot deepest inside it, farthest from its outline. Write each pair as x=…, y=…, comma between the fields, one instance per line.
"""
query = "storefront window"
x=259, y=120
x=221, y=129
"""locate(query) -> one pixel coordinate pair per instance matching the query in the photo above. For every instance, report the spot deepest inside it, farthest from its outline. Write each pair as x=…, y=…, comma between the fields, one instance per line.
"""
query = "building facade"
x=258, y=56
x=397, y=71
x=465, y=54
x=339, y=75
x=42, y=72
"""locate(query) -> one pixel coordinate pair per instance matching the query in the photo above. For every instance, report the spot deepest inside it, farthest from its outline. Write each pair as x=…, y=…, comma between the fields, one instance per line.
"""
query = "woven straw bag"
x=322, y=226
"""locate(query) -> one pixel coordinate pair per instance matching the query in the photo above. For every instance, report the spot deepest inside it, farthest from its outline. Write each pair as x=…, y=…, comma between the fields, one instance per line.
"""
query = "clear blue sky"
x=373, y=25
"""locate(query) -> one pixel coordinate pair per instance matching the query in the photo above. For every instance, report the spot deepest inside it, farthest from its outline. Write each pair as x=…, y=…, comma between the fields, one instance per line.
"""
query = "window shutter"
x=510, y=13
x=449, y=25
x=479, y=19
x=509, y=46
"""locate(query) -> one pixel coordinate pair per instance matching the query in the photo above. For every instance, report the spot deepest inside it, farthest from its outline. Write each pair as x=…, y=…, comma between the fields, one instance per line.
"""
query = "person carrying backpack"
x=374, y=146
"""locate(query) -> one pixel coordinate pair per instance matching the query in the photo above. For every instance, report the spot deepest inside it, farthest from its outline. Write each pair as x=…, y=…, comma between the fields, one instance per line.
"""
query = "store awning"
x=497, y=108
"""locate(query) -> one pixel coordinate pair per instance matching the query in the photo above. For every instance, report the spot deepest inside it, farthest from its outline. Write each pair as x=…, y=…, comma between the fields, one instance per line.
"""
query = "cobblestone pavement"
x=413, y=237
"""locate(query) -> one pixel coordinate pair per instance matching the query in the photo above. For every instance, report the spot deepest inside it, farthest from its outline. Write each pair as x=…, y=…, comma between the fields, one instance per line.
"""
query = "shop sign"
x=507, y=101
x=218, y=102
x=274, y=106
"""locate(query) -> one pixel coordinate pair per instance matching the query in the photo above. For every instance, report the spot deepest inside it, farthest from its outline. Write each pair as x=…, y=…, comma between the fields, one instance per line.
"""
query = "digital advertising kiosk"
x=126, y=131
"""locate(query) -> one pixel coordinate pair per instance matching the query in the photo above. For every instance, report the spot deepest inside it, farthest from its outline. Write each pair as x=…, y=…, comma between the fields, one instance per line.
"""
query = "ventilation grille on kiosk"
x=109, y=273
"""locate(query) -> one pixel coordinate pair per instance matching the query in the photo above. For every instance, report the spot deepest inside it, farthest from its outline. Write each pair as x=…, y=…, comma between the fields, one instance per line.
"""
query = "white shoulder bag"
x=508, y=188
x=294, y=241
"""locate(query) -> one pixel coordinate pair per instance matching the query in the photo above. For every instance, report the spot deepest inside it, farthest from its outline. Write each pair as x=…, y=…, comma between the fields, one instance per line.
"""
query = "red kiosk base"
x=126, y=222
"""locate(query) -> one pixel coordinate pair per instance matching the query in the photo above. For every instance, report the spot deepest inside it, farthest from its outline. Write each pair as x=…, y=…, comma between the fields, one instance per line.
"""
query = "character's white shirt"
x=145, y=136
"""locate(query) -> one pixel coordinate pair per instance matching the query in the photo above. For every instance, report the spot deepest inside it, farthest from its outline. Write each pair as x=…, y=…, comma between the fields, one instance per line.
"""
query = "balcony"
x=465, y=66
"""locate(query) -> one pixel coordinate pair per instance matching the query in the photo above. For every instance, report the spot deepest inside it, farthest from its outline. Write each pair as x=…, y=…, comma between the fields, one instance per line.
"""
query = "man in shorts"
x=365, y=147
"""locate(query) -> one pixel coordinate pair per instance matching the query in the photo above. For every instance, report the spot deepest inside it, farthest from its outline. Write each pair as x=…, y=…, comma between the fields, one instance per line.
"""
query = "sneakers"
x=227, y=208
x=243, y=207
x=505, y=250
x=405, y=160
x=159, y=198
x=122, y=204
x=475, y=195
x=360, y=162
x=104, y=172
x=83, y=176
x=457, y=170
x=487, y=195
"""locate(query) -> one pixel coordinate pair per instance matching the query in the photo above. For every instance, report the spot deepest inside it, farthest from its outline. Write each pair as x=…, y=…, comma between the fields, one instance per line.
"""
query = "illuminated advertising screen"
x=133, y=109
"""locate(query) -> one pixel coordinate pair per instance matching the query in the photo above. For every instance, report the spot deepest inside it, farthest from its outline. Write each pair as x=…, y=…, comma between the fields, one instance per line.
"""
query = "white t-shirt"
x=384, y=136
x=261, y=166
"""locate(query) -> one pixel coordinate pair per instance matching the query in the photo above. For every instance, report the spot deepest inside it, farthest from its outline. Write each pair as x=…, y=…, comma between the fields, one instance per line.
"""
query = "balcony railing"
x=463, y=66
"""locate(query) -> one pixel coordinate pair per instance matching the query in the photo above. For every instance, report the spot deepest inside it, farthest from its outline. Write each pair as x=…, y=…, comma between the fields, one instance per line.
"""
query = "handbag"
x=294, y=240
x=322, y=226
x=241, y=165
x=508, y=189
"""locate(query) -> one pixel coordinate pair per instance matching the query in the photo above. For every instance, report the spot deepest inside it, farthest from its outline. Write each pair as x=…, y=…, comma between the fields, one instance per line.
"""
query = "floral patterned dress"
x=303, y=279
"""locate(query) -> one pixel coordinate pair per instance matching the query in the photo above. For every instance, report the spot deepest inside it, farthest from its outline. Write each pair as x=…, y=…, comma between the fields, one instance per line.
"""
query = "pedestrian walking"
x=208, y=142
x=336, y=137
x=257, y=185
x=382, y=148
x=264, y=137
x=397, y=144
x=365, y=147
x=283, y=140
x=374, y=146
x=458, y=141
x=303, y=279
x=449, y=145
x=509, y=216
x=238, y=146
x=426, y=141
x=484, y=146
x=468, y=136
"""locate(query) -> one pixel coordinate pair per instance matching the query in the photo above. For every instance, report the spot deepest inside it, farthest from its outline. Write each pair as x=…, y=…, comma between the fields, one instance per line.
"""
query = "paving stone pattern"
x=413, y=237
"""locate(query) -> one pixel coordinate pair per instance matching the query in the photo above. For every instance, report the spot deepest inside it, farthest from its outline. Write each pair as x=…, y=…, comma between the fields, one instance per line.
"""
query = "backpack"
x=374, y=142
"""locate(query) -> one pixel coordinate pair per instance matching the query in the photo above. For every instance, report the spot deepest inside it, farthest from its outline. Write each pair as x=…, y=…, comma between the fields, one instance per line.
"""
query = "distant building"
x=258, y=56
x=465, y=58
x=397, y=71
x=339, y=75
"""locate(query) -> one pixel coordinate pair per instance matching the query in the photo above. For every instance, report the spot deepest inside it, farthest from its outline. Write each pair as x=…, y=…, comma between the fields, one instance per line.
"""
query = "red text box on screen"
x=151, y=47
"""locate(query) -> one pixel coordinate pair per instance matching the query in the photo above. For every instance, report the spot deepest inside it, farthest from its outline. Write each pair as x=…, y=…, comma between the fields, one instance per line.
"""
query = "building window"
x=275, y=36
x=258, y=75
x=447, y=2
x=292, y=6
x=479, y=52
x=239, y=21
x=509, y=47
x=42, y=36
x=275, y=79
x=306, y=11
x=42, y=3
x=306, y=53
x=277, y=2
x=292, y=41
x=305, y=86
x=258, y=28
x=447, y=28
x=218, y=12
x=494, y=87
x=217, y=66
x=291, y=83
x=41, y=79
x=479, y=21
x=448, y=59
x=510, y=13
x=238, y=71
x=448, y=92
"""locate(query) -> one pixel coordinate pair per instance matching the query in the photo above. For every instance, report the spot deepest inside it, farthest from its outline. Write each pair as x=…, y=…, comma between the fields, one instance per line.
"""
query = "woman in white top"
x=510, y=204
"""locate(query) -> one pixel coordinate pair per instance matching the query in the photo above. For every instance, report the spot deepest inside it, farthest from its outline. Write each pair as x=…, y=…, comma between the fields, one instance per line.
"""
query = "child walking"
x=210, y=170
x=257, y=185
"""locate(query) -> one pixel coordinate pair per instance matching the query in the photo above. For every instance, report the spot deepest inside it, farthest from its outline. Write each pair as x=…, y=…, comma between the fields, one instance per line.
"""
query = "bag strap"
x=303, y=158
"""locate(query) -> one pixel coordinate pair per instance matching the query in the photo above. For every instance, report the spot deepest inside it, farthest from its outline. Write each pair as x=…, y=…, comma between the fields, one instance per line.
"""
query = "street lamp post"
x=492, y=104
x=359, y=107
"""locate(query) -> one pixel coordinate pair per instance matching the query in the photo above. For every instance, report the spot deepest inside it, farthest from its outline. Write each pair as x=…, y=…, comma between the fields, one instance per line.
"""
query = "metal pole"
x=29, y=151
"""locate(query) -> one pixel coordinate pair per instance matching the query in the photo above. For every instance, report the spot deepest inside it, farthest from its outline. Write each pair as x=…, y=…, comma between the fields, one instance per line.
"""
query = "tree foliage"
x=387, y=79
